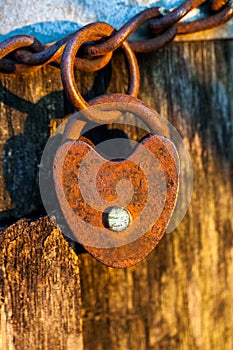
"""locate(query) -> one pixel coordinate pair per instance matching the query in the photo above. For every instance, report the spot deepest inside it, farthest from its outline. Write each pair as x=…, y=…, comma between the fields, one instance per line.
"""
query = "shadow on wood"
x=180, y=297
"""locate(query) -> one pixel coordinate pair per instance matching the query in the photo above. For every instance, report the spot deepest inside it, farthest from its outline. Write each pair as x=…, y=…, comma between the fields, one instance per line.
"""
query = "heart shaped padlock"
x=118, y=229
x=117, y=209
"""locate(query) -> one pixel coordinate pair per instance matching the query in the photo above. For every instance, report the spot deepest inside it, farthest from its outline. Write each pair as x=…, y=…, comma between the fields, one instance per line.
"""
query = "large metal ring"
x=89, y=33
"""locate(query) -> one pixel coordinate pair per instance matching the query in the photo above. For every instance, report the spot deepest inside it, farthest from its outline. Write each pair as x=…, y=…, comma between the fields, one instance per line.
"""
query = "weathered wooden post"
x=54, y=296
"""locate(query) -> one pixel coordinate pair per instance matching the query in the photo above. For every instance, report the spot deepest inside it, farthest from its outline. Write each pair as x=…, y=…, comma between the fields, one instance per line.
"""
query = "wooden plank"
x=27, y=103
x=180, y=297
x=40, y=289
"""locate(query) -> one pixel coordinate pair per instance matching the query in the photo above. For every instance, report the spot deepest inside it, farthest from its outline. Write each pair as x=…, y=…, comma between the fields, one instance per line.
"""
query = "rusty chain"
x=91, y=47
x=24, y=53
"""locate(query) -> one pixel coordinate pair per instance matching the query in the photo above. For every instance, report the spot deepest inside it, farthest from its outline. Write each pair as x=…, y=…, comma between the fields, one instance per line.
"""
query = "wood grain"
x=27, y=103
x=40, y=288
x=180, y=297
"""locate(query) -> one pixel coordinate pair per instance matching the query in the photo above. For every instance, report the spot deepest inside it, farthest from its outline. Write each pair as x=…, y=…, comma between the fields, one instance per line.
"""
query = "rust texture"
x=88, y=33
x=225, y=13
x=216, y=5
x=24, y=53
x=88, y=224
x=137, y=169
x=68, y=161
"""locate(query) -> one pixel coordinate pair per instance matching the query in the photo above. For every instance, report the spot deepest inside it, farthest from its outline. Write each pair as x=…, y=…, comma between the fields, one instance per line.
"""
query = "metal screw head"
x=118, y=218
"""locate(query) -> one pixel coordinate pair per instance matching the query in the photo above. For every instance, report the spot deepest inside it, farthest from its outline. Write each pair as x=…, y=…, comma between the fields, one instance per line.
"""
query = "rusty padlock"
x=118, y=233
x=118, y=230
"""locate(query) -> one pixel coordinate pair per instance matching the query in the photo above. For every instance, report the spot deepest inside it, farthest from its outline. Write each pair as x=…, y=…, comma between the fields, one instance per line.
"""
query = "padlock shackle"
x=115, y=102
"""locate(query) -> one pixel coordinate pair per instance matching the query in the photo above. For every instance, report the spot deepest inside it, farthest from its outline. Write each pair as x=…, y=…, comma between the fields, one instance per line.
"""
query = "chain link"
x=24, y=53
